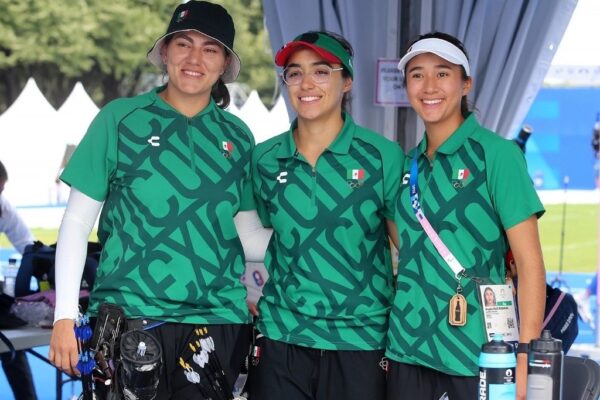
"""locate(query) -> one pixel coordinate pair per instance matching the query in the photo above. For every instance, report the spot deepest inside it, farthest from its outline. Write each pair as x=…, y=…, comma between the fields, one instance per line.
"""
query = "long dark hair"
x=464, y=106
x=220, y=94
x=219, y=91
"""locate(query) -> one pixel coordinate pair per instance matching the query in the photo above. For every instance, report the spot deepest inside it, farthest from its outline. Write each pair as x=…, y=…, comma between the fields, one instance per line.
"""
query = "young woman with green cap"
x=326, y=187
x=170, y=170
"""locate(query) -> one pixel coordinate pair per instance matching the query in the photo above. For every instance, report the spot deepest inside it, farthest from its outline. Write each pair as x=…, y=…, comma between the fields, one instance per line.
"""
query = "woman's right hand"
x=63, y=347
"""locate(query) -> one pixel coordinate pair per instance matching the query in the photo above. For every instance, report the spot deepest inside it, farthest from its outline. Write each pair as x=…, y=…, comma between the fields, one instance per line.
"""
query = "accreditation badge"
x=499, y=311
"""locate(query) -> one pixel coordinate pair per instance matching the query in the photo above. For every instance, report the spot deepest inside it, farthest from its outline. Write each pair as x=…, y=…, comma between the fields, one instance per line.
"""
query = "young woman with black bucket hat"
x=170, y=170
x=326, y=187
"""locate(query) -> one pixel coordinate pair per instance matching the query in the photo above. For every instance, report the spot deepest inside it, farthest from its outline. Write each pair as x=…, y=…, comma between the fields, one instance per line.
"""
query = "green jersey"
x=330, y=284
x=171, y=186
x=475, y=188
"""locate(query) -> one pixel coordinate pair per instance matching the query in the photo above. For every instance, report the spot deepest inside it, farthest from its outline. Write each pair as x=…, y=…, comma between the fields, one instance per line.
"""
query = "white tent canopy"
x=260, y=121
x=75, y=115
x=29, y=147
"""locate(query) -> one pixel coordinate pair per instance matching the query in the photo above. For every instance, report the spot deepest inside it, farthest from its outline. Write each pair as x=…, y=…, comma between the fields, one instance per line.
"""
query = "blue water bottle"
x=497, y=365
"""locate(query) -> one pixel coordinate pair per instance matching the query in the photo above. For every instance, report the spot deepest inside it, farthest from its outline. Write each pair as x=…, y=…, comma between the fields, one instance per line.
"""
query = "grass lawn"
x=580, y=251
x=46, y=236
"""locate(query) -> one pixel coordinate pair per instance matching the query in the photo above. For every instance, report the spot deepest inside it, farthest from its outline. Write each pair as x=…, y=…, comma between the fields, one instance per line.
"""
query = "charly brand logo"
x=281, y=178
x=226, y=149
x=460, y=177
x=154, y=141
x=406, y=178
x=355, y=177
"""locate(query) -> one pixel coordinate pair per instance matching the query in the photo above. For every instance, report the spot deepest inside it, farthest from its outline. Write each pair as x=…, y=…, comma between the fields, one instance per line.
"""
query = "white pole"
x=597, y=172
x=390, y=114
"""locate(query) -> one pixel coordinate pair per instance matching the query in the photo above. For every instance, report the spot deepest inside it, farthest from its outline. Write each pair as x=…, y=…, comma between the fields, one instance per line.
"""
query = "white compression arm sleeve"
x=71, y=252
x=253, y=235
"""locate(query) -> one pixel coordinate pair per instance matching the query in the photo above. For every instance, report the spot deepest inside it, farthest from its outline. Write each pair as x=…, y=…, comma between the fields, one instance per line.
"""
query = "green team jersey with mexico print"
x=476, y=187
x=329, y=262
x=171, y=186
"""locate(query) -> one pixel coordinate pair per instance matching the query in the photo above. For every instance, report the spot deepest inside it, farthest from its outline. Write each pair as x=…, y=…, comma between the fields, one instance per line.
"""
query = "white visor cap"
x=439, y=47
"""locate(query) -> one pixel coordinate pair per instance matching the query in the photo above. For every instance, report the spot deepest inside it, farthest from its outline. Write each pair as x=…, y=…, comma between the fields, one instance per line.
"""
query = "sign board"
x=389, y=90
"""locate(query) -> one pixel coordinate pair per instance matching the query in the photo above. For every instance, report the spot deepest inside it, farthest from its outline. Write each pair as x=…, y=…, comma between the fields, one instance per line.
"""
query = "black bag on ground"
x=38, y=262
x=560, y=316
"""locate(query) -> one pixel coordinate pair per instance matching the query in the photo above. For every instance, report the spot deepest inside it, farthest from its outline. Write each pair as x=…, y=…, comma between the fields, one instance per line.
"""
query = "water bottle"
x=545, y=368
x=10, y=277
x=497, y=364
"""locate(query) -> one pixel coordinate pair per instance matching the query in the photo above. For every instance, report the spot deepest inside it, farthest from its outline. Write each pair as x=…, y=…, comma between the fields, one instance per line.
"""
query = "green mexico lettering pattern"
x=462, y=213
x=171, y=249
x=329, y=264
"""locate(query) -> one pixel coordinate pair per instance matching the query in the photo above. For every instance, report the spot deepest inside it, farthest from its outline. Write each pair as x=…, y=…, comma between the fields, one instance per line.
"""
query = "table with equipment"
x=27, y=338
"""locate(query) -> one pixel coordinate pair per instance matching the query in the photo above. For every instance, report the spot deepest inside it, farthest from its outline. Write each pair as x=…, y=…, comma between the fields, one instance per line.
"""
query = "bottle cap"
x=497, y=345
x=546, y=344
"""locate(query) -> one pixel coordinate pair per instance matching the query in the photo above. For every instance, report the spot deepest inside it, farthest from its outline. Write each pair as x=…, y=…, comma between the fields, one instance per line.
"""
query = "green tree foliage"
x=253, y=47
x=104, y=43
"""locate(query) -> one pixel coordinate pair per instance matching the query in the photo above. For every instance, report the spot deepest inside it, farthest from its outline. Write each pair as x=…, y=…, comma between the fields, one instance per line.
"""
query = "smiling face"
x=435, y=88
x=316, y=101
x=194, y=64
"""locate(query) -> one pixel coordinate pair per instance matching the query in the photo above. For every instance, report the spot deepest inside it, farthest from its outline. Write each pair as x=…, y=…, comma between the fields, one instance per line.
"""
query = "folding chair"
x=581, y=379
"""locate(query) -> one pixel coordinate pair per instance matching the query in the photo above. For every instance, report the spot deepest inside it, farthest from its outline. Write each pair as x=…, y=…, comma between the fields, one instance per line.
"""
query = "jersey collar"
x=456, y=140
x=341, y=144
x=166, y=106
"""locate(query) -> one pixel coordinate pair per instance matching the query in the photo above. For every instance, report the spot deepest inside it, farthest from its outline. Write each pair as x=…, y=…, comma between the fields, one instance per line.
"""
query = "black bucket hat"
x=209, y=19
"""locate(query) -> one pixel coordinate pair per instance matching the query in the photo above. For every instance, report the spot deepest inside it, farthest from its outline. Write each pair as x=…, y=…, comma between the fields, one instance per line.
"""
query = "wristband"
x=523, y=348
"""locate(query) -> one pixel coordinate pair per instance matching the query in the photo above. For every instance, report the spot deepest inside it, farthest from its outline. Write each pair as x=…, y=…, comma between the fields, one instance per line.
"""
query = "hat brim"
x=232, y=70
x=440, y=48
x=409, y=56
x=284, y=54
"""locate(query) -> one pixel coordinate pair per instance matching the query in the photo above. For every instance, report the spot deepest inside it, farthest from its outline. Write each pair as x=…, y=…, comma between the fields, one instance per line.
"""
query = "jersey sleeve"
x=393, y=160
x=94, y=159
x=261, y=207
x=247, y=196
x=247, y=202
x=511, y=187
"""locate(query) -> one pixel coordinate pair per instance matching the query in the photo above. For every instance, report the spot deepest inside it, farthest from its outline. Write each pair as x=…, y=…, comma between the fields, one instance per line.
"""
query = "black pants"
x=18, y=375
x=290, y=372
x=413, y=382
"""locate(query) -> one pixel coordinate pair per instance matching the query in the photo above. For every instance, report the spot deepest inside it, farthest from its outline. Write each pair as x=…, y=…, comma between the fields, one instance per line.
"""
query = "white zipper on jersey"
x=313, y=197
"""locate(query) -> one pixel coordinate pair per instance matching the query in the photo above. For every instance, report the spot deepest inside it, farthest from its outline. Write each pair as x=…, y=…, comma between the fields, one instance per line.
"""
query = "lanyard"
x=446, y=254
